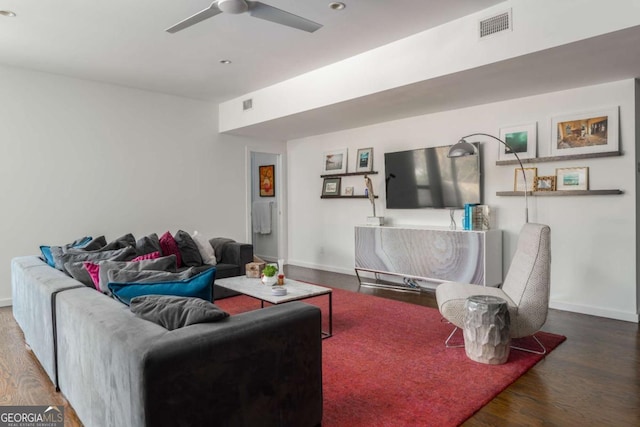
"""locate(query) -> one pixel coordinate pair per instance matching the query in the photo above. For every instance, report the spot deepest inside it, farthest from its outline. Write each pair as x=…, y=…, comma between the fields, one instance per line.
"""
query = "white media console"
x=432, y=255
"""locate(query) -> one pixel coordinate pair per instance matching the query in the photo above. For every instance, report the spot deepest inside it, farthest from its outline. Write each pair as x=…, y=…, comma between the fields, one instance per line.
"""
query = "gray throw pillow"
x=218, y=244
x=77, y=256
x=175, y=312
x=78, y=272
x=148, y=244
x=189, y=251
x=148, y=276
x=167, y=263
x=95, y=244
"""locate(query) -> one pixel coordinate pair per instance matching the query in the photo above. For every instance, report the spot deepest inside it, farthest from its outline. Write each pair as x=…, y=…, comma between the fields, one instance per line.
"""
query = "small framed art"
x=348, y=191
x=584, y=133
x=522, y=139
x=331, y=187
x=267, y=181
x=334, y=162
x=518, y=180
x=364, y=160
x=545, y=183
x=572, y=179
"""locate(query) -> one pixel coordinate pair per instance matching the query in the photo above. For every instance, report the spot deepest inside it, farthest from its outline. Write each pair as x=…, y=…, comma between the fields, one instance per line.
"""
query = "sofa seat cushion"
x=175, y=312
x=227, y=270
x=199, y=286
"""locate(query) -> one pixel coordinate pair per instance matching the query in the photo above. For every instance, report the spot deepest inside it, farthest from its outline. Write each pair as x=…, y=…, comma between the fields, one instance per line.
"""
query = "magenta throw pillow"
x=152, y=255
x=170, y=247
x=94, y=272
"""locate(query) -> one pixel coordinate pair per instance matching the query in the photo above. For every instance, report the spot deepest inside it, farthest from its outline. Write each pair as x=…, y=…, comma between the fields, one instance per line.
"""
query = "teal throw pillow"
x=199, y=286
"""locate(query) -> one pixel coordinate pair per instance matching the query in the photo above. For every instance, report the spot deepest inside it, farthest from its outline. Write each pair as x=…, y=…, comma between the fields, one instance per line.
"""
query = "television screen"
x=427, y=178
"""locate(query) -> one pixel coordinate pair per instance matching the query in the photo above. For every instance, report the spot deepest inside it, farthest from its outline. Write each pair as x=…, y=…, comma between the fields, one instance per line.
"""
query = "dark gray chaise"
x=262, y=367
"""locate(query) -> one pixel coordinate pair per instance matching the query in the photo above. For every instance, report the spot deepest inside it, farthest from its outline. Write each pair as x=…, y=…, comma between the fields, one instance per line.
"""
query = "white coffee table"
x=296, y=291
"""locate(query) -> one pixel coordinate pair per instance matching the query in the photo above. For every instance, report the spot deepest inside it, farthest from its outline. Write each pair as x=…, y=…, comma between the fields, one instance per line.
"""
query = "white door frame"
x=281, y=198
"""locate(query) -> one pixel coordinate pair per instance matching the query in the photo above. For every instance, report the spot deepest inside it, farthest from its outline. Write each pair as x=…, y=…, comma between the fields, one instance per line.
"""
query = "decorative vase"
x=269, y=280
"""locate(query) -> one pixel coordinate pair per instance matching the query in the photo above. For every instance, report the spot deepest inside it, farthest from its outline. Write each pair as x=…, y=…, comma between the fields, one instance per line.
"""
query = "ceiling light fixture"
x=7, y=13
x=225, y=61
x=337, y=5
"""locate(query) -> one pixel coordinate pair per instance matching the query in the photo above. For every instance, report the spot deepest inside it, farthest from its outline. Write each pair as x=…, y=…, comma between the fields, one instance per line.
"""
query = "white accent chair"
x=526, y=287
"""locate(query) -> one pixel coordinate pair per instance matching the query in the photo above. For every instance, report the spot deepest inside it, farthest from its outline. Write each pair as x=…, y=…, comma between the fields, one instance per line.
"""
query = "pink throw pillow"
x=94, y=272
x=152, y=255
x=170, y=247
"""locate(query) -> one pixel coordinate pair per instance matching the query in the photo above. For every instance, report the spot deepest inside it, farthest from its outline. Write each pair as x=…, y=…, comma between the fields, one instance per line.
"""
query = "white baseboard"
x=6, y=302
x=595, y=311
x=349, y=271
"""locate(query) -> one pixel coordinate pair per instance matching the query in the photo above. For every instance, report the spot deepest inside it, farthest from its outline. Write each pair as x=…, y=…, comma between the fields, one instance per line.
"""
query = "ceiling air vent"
x=495, y=24
x=247, y=104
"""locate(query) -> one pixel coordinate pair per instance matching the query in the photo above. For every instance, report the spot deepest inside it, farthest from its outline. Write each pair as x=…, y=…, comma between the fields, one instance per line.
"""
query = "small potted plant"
x=269, y=274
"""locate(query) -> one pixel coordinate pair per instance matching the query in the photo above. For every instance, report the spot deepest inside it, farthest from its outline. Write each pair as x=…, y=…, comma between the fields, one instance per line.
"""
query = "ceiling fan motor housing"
x=233, y=6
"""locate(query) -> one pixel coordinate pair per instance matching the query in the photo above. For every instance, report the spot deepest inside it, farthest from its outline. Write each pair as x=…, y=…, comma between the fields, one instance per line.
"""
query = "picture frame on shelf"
x=331, y=187
x=522, y=138
x=267, y=180
x=348, y=191
x=568, y=179
x=545, y=183
x=518, y=180
x=364, y=161
x=334, y=162
x=589, y=132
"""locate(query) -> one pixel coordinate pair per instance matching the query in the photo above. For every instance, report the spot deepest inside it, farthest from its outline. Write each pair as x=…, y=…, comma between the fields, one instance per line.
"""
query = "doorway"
x=265, y=200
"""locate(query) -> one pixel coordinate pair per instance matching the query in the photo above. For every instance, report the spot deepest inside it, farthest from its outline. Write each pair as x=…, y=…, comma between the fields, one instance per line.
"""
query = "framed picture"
x=331, y=187
x=518, y=180
x=522, y=139
x=364, y=160
x=348, y=191
x=545, y=183
x=267, y=181
x=334, y=162
x=585, y=133
x=572, y=179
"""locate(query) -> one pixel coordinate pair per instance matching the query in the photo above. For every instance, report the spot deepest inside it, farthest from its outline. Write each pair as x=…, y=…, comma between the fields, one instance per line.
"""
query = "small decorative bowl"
x=278, y=291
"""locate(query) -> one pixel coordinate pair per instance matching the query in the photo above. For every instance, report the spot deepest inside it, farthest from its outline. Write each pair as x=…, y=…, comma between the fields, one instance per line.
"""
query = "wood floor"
x=592, y=379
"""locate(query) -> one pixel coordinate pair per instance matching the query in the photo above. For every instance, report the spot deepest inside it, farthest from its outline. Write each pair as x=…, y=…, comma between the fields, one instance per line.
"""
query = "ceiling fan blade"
x=194, y=19
x=273, y=14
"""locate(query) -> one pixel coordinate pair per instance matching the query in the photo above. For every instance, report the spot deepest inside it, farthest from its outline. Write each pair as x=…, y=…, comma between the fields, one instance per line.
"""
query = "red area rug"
x=386, y=364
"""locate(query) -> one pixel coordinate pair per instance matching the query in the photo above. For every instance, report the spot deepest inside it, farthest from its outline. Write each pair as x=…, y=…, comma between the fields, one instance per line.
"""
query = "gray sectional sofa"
x=263, y=367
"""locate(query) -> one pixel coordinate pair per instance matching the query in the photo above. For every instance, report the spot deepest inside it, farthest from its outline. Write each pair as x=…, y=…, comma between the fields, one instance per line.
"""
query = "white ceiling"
x=124, y=42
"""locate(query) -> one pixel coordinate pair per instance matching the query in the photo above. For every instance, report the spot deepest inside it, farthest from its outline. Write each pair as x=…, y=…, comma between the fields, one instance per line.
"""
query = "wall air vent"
x=247, y=104
x=495, y=24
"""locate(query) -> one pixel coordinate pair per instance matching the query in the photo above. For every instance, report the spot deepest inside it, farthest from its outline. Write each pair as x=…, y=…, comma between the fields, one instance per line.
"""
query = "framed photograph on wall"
x=584, y=133
x=331, y=187
x=522, y=139
x=545, y=183
x=267, y=181
x=334, y=162
x=572, y=179
x=518, y=180
x=364, y=162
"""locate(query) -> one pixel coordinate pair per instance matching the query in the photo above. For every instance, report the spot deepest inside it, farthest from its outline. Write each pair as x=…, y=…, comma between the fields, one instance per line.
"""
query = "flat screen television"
x=427, y=178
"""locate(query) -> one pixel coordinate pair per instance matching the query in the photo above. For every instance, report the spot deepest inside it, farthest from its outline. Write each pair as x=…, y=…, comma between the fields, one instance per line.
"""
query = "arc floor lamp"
x=464, y=148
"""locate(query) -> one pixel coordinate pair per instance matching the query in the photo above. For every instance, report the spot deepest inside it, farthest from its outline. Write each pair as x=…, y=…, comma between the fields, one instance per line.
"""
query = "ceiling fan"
x=255, y=9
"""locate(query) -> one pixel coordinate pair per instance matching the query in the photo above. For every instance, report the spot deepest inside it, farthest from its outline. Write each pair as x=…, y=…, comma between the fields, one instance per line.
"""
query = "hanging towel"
x=261, y=216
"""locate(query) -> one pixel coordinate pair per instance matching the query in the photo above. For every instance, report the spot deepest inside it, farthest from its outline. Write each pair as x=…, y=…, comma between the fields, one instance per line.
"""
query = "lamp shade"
x=461, y=148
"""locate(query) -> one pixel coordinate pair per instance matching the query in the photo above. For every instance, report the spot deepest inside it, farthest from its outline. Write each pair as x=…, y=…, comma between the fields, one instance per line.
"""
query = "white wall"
x=78, y=158
x=265, y=246
x=593, y=237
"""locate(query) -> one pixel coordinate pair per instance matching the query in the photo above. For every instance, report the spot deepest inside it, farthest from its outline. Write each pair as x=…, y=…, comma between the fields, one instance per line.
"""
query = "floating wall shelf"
x=348, y=174
x=559, y=158
x=562, y=193
x=346, y=197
